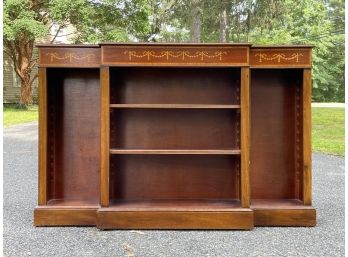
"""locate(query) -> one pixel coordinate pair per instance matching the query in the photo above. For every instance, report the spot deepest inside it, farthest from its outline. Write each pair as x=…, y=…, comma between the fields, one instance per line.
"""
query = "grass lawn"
x=328, y=130
x=328, y=126
x=13, y=115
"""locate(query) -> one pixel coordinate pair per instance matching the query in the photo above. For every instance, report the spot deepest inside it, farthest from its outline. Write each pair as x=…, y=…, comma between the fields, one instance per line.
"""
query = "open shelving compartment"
x=73, y=141
x=174, y=149
x=277, y=174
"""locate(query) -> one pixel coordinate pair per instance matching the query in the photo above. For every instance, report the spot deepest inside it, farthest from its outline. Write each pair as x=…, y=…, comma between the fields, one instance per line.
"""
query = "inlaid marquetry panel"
x=175, y=56
x=280, y=57
x=69, y=57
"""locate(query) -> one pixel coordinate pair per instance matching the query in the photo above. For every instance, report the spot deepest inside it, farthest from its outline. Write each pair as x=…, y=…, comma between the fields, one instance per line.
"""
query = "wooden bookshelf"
x=175, y=106
x=175, y=151
x=174, y=136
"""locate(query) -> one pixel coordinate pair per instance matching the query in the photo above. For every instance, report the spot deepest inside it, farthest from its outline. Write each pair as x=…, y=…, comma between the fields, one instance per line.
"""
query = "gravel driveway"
x=22, y=239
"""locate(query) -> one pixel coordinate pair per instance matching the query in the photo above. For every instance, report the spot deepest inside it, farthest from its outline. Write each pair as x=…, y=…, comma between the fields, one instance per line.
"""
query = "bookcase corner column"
x=104, y=135
x=42, y=183
x=245, y=137
x=307, y=136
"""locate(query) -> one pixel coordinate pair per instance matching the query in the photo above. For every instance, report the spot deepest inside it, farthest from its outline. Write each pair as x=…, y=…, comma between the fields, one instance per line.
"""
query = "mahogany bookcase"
x=174, y=136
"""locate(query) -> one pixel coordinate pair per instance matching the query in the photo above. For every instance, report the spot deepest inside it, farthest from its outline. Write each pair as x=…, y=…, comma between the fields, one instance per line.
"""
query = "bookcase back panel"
x=74, y=134
x=175, y=85
x=275, y=133
x=173, y=177
x=174, y=129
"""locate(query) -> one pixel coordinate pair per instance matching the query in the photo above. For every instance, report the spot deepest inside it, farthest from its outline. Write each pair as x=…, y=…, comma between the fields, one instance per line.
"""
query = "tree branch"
x=58, y=30
x=73, y=33
x=34, y=77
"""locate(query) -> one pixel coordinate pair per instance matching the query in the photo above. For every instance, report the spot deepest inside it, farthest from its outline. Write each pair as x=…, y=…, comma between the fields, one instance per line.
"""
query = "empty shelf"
x=176, y=106
x=167, y=151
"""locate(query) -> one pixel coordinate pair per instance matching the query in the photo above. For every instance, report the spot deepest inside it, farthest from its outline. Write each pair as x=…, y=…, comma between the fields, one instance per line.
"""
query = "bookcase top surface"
x=170, y=44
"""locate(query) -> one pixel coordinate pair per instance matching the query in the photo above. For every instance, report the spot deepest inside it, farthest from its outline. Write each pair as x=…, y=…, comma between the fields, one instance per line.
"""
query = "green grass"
x=328, y=130
x=328, y=126
x=14, y=115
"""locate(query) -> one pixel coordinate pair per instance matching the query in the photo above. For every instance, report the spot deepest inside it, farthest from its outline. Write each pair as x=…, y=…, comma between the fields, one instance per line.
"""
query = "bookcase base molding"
x=112, y=218
x=174, y=136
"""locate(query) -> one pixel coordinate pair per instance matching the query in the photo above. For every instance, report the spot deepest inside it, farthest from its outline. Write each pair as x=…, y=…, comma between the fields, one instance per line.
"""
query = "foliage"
x=317, y=22
x=328, y=130
x=116, y=21
x=26, y=21
x=14, y=115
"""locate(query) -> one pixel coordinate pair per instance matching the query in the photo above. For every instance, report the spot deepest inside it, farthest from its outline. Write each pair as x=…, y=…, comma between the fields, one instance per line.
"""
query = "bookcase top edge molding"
x=179, y=54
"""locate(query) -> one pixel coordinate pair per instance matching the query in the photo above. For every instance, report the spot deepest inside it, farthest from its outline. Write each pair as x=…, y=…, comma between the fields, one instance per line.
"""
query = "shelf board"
x=176, y=205
x=265, y=204
x=176, y=106
x=65, y=203
x=169, y=151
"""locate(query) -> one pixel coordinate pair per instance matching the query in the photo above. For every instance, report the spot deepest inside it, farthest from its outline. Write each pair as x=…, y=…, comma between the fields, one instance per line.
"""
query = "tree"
x=120, y=20
x=25, y=21
x=196, y=21
x=318, y=22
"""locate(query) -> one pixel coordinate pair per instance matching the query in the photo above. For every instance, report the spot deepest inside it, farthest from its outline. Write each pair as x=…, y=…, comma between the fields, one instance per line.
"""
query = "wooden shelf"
x=172, y=151
x=175, y=106
x=65, y=203
x=176, y=205
x=278, y=204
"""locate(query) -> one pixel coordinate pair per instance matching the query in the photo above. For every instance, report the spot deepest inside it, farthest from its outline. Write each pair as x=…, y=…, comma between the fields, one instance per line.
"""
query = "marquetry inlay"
x=183, y=55
x=70, y=57
x=278, y=57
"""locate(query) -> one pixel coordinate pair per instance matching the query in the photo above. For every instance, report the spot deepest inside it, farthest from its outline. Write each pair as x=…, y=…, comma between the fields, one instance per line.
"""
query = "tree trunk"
x=196, y=21
x=223, y=25
x=21, y=53
x=26, y=91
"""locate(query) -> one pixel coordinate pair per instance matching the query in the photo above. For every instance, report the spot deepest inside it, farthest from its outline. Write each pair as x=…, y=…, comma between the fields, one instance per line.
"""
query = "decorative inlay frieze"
x=70, y=57
x=278, y=57
x=183, y=55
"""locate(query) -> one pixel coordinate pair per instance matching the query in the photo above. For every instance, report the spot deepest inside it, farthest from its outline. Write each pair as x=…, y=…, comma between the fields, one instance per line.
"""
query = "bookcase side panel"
x=307, y=137
x=42, y=183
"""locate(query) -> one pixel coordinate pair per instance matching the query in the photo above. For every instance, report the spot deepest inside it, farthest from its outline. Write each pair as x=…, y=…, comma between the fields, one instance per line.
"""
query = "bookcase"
x=174, y=136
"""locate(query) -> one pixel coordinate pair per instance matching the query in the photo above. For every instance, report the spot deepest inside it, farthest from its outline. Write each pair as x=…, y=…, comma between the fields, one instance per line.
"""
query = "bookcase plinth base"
x=113, y=219
x=53, y=216
x=300, y=217
x=106, y=218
